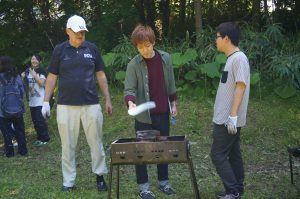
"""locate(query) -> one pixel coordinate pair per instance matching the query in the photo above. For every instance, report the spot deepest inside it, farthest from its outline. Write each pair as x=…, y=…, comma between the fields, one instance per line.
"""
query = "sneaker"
x=39, y=143
x=220, y=194
x=14, y=142
x=146, y=195
x=101, y=185
x=231, y=196
x=167, y=190
x=67, y=189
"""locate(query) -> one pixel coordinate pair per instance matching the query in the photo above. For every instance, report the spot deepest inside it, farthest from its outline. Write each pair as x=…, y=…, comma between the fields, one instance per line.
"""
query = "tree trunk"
x=198, y=17
x=96, y=14
x=45, y=7
x=139, y=5
x=182, y=8
x=297, y=15
x=151, y=14
x=297, y=7
x=266, y=6
x=256, y=14
x=165, y=12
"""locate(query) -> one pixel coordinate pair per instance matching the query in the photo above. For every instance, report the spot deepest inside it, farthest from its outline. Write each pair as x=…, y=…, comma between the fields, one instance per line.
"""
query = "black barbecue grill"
x=151, y=150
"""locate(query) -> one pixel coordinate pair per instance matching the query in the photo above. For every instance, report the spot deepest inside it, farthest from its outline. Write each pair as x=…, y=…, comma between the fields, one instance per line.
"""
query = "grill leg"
x=110, y=180
x=193, y=177
x=118, y=182
x=291, y=167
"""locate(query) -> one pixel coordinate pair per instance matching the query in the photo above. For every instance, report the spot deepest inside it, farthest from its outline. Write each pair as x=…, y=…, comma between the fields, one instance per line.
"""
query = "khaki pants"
x=68, y=121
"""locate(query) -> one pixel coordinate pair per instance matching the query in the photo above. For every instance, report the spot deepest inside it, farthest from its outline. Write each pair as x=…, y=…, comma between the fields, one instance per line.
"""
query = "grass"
x=273, y=124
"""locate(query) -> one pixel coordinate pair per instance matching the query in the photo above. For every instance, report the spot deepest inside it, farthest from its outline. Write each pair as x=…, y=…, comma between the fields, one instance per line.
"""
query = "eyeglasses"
x=218, y=36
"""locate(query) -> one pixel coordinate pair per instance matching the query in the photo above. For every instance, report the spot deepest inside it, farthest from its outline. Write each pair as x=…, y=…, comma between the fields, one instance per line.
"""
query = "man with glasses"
x=230, y=112
x=79, y=66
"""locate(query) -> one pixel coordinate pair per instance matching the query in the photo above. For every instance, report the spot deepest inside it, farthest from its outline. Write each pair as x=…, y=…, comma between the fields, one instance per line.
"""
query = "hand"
x=131, y=105
x=33, y=73
x=173, y=109
x=23, y=75
x=231, y=125
x=108, y=107
x=46, y=110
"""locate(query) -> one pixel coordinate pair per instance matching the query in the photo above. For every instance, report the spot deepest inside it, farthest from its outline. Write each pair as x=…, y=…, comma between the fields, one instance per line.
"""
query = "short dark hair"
x=7, y=66
x=230, y=29
x=142, y=34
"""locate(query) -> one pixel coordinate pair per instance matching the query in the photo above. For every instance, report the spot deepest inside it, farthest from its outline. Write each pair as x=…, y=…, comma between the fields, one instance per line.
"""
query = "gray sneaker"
x=220, y=194
x=231, y=196
x=39, y=143
x=146, y=195
x=167, y=190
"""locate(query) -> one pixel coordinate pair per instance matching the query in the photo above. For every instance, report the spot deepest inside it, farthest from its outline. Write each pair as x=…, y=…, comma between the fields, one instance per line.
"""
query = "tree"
x=151, y=14
x=139, y=5
x=198, y=16
x=256, y=16
x=165, y=15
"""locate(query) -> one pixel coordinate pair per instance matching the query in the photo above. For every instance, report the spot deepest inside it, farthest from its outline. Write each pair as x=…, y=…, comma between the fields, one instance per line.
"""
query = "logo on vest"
x=87, y=56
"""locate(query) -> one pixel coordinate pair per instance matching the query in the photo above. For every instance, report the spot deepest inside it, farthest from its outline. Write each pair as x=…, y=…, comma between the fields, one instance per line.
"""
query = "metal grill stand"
x=166, y=149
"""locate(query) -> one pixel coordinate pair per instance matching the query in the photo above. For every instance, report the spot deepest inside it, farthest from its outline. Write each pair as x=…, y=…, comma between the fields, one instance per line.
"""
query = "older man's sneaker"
x=232, y=196
x=167, y=190
x=220, y=194
x=101, y=185
x=146, y=195
x=67, y=189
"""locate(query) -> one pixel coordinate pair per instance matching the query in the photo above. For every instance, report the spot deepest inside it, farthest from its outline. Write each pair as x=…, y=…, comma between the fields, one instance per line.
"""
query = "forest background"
x=184, y=28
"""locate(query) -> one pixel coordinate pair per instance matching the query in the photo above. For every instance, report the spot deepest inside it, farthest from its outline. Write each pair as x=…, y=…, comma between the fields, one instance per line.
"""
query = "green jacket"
x=136, y=81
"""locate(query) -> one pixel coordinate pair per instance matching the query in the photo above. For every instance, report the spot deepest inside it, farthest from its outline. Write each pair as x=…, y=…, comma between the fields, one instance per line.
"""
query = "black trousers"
x=160, y=122
x=19, y=133
x=227, y=158
x=39, y=123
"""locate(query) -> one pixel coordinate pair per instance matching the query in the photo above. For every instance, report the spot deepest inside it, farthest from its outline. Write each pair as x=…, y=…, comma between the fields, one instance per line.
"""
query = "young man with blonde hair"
x=150, y=77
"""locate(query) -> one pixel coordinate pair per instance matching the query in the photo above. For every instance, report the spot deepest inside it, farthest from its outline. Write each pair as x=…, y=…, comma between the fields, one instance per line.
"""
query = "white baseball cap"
x=76, y=23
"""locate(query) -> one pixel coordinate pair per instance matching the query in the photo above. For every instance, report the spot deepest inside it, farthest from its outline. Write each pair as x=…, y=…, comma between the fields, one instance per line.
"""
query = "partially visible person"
x=79, y=66
x=35, y=78
x=150, y=77
x=8, y=75
x=230, y=112
x=12, y=131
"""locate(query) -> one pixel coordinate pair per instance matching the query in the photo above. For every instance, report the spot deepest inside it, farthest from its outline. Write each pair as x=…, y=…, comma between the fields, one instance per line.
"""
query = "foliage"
x=198, y=65
x=272, y=44
x=287, y=69
x=117, y=60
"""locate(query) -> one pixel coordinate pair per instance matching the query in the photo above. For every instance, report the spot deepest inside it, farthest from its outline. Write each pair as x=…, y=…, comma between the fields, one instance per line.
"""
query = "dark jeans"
x=227, y=158
x=40, y=124
x=5, y=125
x=161, y=123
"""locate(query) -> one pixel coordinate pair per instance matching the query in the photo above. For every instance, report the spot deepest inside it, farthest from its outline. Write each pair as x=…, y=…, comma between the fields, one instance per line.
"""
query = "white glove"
x=46, y=110
x=231, y=125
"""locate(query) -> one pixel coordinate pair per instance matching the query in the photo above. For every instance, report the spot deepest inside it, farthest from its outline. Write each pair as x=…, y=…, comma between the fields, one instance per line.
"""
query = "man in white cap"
x=79, y=66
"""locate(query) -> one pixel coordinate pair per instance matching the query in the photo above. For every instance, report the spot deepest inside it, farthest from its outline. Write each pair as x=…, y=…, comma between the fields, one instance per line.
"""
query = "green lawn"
x=273, y=123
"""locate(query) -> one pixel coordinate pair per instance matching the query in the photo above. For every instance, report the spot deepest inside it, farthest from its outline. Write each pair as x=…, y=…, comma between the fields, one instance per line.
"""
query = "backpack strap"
x=3, y=82
x=14, y=79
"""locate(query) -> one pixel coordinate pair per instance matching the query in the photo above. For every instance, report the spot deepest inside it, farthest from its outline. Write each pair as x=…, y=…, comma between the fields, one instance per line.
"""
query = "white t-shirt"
x=237, y=69
x=35, y=91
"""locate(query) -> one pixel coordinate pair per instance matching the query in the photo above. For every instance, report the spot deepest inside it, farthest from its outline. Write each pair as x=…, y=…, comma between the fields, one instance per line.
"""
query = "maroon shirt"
x=156, y=81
